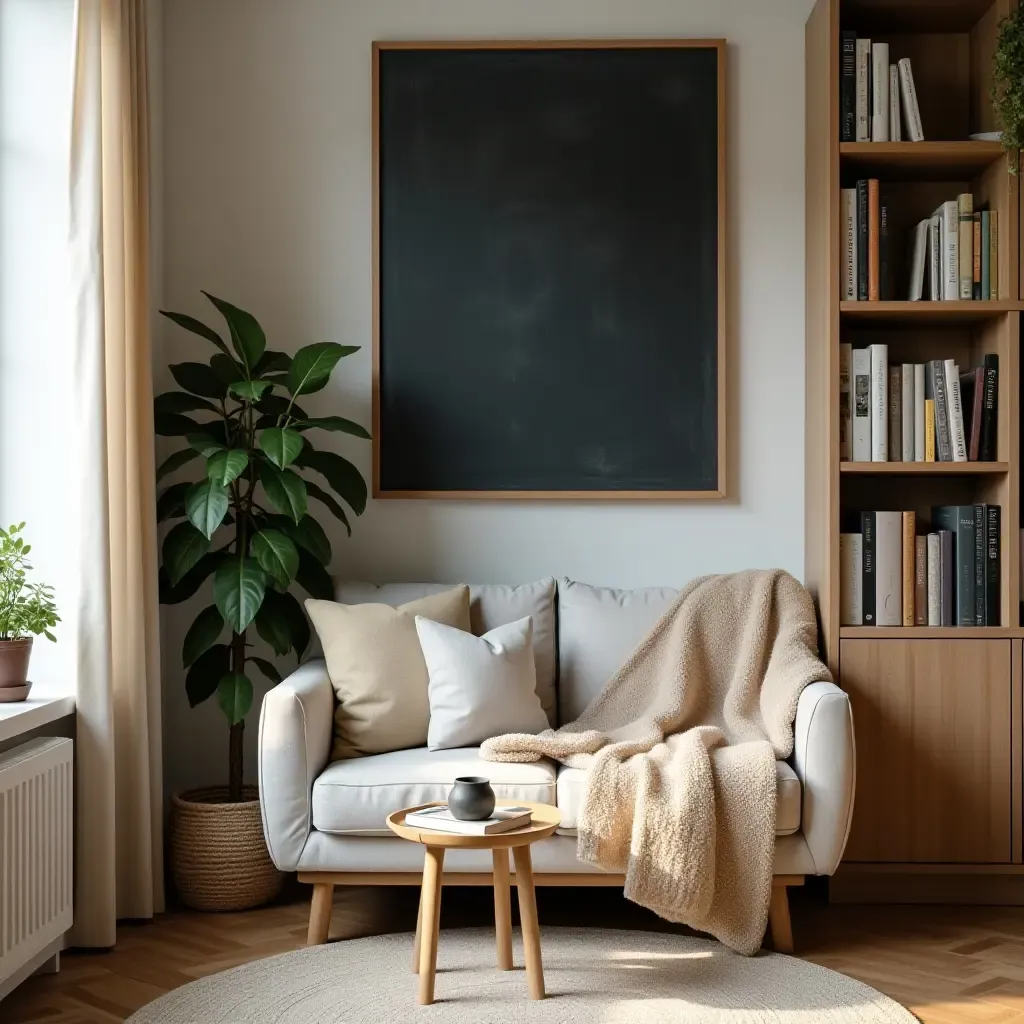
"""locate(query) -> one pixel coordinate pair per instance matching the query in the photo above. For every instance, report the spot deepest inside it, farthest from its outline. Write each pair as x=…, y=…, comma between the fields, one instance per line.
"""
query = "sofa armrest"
x=825, y=760
x=294, y=743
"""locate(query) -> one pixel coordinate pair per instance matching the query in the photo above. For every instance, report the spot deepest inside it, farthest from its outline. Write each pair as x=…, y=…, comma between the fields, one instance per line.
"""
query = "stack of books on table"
x=916, y=412
x=440, y=819
x=954, y=253
x=891, y=576
x=877, y=100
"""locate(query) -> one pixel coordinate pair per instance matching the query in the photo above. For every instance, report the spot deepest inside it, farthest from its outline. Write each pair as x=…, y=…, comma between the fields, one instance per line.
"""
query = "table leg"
x=502, y=909
x=430, y=913
x=528, y=916
x=419, y=936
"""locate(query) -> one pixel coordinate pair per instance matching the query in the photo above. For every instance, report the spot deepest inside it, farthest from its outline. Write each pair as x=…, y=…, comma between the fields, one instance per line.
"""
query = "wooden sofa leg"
x=779, y=920
x=320, y=913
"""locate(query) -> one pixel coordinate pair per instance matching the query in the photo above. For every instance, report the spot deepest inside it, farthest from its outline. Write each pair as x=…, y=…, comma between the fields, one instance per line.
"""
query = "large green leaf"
x=181, y=401
x=227, y=369
x=238, y=589
x=202, y=634
x=170, y=504
x=190, y=323
x=313, y=577
x=198, y=379
x=312, y=366
x=206, y=672
x=206, y=504
x=223, y=467
x=286, y=490
x=174, y=462
x=183, y=547
x=247, y=337
x=315, y=491
x=278, y=405
x=277, y=555
x=272, y=623
x=335, y=423
x=234, y=695
x=249, y=390
x=205, y=444
x=343, y=477
x=308, y=534
x=190, y=582
x=174, y=424
x=281, y=445
x=298, y=624
x=269, y=670
x=272, y=362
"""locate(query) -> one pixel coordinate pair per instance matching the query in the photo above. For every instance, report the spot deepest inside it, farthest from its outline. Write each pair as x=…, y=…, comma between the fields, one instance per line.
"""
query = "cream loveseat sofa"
x=327, y=820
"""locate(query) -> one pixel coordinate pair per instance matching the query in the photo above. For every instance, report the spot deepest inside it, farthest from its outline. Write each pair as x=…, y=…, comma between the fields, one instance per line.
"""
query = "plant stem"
x=236, y=753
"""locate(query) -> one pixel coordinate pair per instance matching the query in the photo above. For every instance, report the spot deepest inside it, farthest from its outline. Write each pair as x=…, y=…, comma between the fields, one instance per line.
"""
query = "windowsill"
x=23, y=716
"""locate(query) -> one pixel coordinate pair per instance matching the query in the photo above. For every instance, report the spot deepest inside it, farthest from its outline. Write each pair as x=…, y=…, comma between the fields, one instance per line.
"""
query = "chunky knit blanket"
x=680, y=748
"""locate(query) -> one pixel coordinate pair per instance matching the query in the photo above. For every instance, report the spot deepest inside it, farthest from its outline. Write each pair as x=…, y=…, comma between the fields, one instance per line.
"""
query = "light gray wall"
x=267, y=192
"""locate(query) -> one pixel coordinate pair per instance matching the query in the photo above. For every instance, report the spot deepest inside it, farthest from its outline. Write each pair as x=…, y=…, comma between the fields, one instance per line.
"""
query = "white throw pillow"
x=479, y=686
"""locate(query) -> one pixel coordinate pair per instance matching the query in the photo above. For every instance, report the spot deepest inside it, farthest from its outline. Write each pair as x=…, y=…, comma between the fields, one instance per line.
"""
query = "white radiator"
x=36, y=849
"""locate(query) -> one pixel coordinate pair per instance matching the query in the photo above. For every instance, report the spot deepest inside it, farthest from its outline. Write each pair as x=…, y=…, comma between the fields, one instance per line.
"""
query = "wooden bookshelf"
x=930, y=703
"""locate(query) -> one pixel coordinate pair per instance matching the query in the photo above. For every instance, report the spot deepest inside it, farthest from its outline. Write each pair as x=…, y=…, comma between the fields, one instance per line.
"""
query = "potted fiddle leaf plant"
x=27, y=610
x=243, y=519
x=1008, y=83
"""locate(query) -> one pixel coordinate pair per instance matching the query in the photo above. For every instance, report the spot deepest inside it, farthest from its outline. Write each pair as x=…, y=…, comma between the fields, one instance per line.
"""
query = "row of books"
x=954, y=253
x=891, y=576
x=915, y=412
x=877, y=100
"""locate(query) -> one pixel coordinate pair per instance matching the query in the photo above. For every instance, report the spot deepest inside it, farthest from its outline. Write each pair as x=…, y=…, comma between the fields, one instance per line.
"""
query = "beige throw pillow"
x=377, y=669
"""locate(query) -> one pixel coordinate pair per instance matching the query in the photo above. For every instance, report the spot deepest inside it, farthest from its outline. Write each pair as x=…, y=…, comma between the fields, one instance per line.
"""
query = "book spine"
x=938, y=375
x=845, y=406
x=895, y=414
x=947, y=577
x=915, y=287
x=920, y=438
x=907, y=433
x=879, y=403
x=986, y=255
x=980, y=566
x=993, y=255
x=862, y=241
x=993, y=576
x=958, y=443
x=965, y=565
x=965, y=217
x=895, y=127
x=929, y=430
x=850, y=245
x=911, y=111
x=951, y=251
x=909, y=554
x=921, y=581
x=848, y=87
x=934, y=581
x=972, y=392
x=863, y=54
x=934, y=259
x=861, y=398
x=989, y=417
x=885, y=275
x=851, y=565
x=888, y=568
x=976, y=255
x=879, y=92
x=874, y=241
x=867, y=590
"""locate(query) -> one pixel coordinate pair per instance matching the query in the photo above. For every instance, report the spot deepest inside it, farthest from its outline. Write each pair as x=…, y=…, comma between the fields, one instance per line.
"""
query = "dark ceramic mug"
x=471, y=799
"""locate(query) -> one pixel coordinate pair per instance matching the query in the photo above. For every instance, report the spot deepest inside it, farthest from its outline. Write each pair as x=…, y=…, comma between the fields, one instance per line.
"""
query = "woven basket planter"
x=219, y=856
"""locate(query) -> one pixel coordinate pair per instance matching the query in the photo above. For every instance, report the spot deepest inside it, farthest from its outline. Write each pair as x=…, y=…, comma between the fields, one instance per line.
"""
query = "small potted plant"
x=244, y=519
x=1008, y=83
x=26, y=611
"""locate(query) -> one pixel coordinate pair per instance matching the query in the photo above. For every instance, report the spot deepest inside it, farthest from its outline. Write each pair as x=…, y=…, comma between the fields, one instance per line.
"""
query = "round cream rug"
x=592, y=976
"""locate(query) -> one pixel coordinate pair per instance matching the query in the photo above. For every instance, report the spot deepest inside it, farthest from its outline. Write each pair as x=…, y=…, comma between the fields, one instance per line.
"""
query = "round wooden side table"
x=545, y=820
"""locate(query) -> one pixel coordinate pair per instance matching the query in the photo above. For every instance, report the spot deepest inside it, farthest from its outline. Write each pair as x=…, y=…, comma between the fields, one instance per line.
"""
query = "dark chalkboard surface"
x=549, y=270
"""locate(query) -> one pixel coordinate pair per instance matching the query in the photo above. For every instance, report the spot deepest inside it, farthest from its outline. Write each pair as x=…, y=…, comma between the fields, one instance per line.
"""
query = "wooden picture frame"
x=720, y=491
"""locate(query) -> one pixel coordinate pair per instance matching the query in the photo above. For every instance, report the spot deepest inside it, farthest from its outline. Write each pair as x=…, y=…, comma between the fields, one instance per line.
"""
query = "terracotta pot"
x=219, y=856
x=14, y=655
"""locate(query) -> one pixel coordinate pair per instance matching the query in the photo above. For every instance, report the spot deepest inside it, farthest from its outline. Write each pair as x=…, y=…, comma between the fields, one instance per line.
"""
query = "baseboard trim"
x=987, y=887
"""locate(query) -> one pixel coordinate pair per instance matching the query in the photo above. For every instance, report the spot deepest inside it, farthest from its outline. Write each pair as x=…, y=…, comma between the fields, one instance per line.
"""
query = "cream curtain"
x=118, y=866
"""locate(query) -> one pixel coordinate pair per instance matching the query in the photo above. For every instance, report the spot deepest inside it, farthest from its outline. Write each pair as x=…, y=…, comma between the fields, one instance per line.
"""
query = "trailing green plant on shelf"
x=1008, y=84
x=246, y=521
x=26, y=609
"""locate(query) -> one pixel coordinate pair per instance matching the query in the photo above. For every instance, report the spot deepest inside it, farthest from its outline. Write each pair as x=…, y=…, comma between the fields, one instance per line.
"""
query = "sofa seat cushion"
x=570, y=795
x=354, y=797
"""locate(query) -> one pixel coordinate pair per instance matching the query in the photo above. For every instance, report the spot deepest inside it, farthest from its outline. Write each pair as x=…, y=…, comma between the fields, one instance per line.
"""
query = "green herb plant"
x=26, y=609
x=1008, y=84
x=246, y=520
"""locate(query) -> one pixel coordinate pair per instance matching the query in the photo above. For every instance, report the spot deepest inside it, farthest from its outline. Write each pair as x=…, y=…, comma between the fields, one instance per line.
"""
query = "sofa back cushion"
x=491, y=605
x=598, y=629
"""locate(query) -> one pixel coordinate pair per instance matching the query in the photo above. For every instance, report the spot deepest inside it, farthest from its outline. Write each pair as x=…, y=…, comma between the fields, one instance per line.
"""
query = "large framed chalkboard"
x=549, y=269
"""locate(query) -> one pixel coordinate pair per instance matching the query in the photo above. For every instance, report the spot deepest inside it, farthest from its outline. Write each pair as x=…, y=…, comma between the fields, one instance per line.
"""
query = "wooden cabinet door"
x=933, y=721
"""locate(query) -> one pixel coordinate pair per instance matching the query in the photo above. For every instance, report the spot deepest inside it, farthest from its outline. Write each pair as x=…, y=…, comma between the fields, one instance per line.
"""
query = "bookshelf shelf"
x=920, y=160
x=924, y=468
x=905, y=16
x=929, y=312
x=931, y=632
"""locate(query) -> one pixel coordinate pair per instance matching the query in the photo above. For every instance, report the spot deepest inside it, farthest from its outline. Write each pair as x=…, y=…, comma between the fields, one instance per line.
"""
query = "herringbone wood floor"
x=947, y=964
